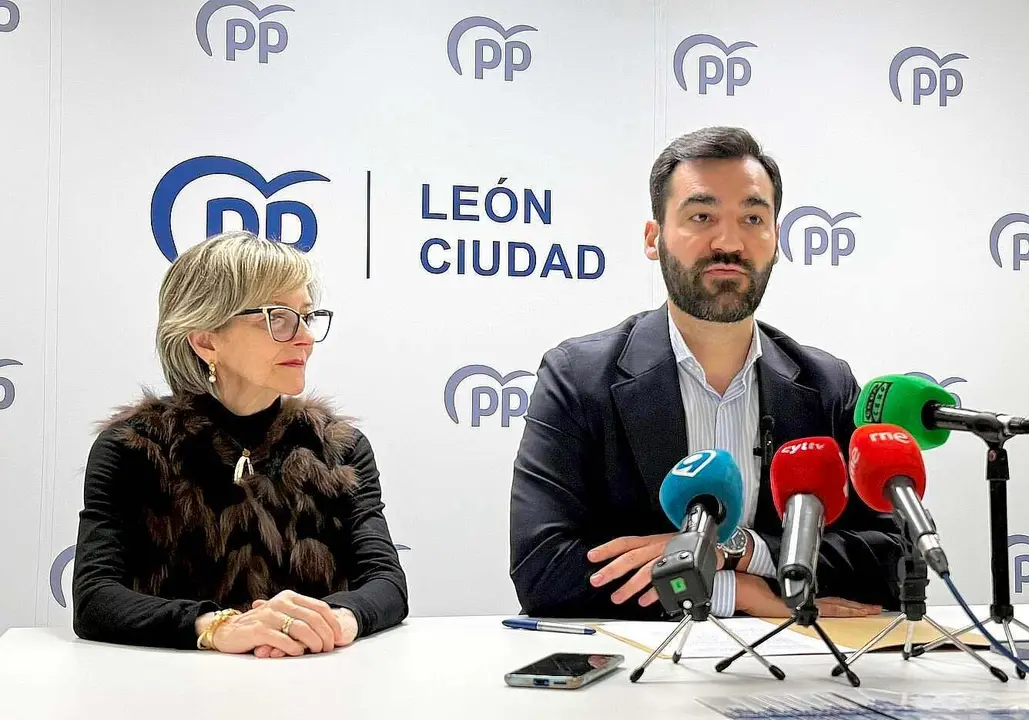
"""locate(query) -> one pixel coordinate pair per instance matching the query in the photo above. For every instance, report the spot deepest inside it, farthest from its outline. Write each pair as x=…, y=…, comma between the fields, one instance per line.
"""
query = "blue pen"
x=540, y=625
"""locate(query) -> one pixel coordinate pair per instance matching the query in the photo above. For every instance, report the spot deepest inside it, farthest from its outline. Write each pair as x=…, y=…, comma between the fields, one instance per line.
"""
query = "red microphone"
x=888, y=473
x=809, y=489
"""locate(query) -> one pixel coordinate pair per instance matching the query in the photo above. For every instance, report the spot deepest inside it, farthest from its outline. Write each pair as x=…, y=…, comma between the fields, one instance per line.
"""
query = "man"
x=612, y=412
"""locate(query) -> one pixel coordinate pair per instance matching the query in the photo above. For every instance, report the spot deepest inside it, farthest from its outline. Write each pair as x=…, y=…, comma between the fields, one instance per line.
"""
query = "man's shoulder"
x=817, y=366
x=606, y=343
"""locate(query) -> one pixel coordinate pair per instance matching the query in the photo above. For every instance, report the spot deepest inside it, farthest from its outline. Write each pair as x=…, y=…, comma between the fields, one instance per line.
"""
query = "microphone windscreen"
x=900, y=400
x=879, y=453
x=810, y=466
x=704, y=475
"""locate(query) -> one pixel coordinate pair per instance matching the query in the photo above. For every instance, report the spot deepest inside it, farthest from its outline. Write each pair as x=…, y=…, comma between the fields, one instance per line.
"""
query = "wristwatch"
x=734, y=549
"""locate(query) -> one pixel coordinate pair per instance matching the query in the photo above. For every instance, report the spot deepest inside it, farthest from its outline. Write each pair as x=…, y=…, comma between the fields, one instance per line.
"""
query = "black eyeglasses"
x=283, y=322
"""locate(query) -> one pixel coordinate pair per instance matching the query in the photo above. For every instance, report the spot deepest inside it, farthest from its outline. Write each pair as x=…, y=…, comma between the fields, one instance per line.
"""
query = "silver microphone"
x=802, y=526
x=919, y=526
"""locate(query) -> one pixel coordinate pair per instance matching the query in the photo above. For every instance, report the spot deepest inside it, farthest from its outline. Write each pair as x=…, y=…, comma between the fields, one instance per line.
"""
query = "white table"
x=426, y=668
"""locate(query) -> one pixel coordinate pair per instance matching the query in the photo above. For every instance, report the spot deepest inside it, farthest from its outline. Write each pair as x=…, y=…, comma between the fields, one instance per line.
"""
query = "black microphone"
x=766, y=448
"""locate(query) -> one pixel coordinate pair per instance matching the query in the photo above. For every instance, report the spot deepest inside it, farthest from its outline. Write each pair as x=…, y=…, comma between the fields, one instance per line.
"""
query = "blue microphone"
x=711, y=479
x=703, y=497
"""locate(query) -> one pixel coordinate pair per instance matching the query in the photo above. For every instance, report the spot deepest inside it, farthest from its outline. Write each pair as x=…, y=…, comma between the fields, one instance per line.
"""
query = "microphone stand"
x=684, y=580
x=913, y=575
x=805, y=615
x=995, y=432
x=695, y=613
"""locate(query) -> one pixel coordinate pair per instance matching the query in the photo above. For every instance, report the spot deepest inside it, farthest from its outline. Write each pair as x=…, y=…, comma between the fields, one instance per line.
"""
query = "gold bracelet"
x=206, y=639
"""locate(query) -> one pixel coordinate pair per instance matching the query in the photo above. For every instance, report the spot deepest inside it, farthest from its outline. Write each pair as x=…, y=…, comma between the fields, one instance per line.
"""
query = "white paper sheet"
x=706, y=639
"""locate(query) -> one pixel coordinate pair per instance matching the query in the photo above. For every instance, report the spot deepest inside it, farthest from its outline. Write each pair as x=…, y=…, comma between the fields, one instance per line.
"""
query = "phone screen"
x=567, y=665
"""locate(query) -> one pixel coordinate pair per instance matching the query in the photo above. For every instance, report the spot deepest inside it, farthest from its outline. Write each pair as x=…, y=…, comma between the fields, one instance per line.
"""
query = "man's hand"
x=754, y=597
x=626, y=554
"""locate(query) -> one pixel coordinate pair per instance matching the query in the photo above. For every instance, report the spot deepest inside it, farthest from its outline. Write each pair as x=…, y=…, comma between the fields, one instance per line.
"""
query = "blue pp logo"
x=10, y=23
x=712, y=70
x=1021, y=562
x=837, y=241
x=945, y=383
x=57, y=568
x=176, y=179
x=235, y=42
x=512, y=401
x=927, y=81
x=515, y=55
x=6, y=385
x=1019, y=241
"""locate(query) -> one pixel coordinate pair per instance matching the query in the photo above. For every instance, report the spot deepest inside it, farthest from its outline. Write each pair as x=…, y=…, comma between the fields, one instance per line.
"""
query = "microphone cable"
x=979, y=626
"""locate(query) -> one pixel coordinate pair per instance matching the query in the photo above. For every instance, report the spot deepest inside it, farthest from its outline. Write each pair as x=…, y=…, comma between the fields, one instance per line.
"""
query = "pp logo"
x=691, y=466
x=712, y=69
x=6, y=386
x=837, y=241
x=512, y=401
x=57, y=567
x=925, y=81
x=945, y=383
x=234, y=42
x=176, y=179
x=13, y=16
x=1019, y=241
x=1021, y=562
x=515, y=54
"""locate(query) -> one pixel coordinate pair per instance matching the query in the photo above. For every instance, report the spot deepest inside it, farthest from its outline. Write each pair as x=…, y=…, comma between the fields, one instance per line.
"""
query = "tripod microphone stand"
x=804, y=615
x=684, y=580
x=913, y=575
x=695, y=614
x=995, y=432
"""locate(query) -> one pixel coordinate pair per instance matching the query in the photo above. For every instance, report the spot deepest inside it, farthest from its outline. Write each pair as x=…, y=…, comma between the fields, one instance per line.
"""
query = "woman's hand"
x=347, y=621
x=314, y=627
x=336, y=628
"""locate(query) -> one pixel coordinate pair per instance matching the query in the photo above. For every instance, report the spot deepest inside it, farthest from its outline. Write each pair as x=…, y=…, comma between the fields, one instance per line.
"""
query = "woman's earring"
x=211, y=377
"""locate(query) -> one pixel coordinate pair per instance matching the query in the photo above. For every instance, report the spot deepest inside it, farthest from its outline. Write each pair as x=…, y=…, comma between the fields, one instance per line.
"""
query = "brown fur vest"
x=195, y=534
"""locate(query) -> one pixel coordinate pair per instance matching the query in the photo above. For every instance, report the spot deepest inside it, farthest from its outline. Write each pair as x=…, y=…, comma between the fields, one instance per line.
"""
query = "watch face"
x=737, y=544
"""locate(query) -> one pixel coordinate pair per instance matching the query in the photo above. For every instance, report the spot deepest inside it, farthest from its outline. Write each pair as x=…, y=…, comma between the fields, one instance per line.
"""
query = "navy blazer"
x=604, y=426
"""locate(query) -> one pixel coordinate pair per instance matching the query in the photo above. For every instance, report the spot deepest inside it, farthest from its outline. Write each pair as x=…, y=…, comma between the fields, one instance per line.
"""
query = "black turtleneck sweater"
x=115, y=548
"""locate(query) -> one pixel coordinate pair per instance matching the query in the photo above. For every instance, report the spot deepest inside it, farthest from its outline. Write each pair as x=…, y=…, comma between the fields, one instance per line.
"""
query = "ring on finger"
x=286, y=625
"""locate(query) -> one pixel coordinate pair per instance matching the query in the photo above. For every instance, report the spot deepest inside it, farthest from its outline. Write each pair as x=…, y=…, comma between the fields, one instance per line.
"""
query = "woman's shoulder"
x=151, y=418
x=131, y=437
x=338, y=432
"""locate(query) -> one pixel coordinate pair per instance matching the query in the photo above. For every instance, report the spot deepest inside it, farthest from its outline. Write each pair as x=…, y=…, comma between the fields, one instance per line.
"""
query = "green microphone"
x=908, y=401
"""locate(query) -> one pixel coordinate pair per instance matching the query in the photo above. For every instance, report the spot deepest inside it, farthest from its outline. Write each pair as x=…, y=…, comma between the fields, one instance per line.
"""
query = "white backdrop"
x=102, y=99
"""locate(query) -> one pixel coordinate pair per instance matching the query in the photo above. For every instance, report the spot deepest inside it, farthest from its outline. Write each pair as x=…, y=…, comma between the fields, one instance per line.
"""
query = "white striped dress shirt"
x=726, y=422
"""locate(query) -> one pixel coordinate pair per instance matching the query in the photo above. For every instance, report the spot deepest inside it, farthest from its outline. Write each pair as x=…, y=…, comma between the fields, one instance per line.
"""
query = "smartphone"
x=564, y=670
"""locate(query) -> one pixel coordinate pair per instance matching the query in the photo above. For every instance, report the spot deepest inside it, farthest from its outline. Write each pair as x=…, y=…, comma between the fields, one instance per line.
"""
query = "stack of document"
x=706, y=640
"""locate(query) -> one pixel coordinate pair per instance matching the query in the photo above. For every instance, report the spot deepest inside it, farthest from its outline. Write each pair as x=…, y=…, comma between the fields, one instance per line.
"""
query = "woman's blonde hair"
x=212, y=281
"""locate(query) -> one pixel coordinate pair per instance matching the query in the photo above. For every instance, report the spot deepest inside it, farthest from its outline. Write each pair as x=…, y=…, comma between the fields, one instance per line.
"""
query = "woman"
x=225, y=517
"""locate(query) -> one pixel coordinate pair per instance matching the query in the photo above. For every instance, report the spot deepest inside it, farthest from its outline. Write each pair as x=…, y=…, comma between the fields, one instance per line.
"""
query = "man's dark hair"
x=709, y=142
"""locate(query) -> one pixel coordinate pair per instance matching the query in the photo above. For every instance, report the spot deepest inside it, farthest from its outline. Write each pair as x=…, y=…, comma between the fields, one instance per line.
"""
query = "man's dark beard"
x=727, y=303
